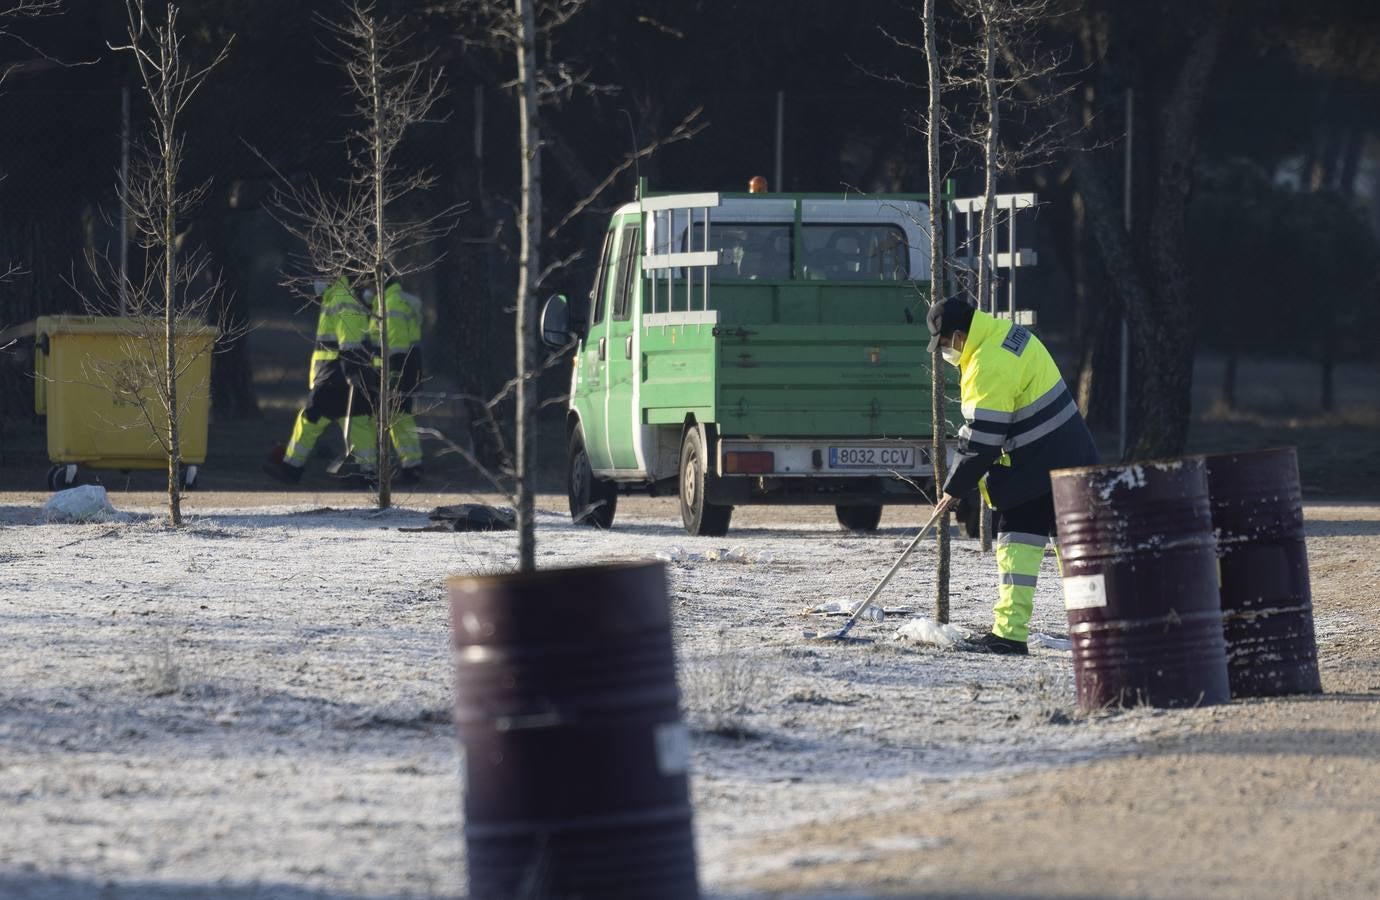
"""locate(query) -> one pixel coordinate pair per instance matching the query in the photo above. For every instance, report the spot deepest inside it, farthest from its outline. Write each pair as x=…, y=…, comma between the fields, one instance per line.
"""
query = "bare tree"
x=1002, y=59
x=938, y=421
x=164, y=332
x=529, y=275
x=359, y=230
x=998, y=64
x=528, y=30
x=521, y=26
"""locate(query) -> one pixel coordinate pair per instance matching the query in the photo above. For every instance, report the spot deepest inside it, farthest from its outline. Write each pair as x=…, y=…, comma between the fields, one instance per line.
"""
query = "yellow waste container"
x=95, y=382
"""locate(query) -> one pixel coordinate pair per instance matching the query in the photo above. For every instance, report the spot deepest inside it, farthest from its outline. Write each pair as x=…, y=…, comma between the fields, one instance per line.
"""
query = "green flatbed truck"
x=753, y=349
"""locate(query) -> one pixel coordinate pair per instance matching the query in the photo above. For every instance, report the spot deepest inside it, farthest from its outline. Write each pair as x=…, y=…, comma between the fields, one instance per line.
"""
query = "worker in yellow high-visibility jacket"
x=404, y=315
x=339, y=361
x=1019, y=422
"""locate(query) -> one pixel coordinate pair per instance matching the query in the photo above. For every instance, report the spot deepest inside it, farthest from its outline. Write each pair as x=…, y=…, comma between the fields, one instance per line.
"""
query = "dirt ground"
x=216, y=713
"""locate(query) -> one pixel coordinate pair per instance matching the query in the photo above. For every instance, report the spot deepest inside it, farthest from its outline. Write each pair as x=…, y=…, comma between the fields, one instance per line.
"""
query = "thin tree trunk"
x=938, y=424
x=170, y=306
x=987, y=244
x=529, y=265
x=1328, y=391
x=384, y=412
x=986, y=240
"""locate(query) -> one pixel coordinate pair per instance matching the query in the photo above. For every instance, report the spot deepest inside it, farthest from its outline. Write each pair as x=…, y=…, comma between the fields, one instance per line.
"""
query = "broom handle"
x=866, y=604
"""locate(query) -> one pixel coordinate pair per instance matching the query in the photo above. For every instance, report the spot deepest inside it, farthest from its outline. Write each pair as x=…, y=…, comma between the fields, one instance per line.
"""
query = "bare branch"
x=684, y=130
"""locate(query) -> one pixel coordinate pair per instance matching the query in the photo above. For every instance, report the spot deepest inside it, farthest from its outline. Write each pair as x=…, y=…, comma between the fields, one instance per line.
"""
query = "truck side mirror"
x=555, y=322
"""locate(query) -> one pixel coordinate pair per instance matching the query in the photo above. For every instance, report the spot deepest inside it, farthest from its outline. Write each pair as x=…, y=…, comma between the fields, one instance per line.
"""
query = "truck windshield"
x=747, y=251
x=854, y=252
x=832, y=252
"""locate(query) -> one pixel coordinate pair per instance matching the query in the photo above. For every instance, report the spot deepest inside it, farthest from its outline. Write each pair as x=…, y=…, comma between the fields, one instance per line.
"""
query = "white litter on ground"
x=678, y=554
x=928, y=631
x=87, y=503
x=876, y=613
x=1047, y=640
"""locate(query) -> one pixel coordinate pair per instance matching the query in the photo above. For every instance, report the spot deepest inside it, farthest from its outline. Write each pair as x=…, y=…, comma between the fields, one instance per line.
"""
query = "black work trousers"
x=1032, y=517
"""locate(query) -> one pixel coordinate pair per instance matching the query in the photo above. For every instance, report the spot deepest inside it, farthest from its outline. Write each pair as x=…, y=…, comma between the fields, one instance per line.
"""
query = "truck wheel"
x=189, y=476
x=701, y=517
x=592, y=500
x=859, y=518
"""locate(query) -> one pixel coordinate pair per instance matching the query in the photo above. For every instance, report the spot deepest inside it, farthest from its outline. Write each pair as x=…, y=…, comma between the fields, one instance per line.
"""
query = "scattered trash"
x=88, y=503
x=840, y=608
x=678, y=554
x=475, y=517
x=1050, y=641
x=928, y=631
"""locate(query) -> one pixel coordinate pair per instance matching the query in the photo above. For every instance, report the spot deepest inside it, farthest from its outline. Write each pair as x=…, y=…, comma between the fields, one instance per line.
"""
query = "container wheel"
x=189, y=477
x=61, y=476
x=859, y=518
x=593, y=501
x=701, y=517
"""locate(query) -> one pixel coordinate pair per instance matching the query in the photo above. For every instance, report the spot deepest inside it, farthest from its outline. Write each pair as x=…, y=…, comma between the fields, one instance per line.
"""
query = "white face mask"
x=951, y=356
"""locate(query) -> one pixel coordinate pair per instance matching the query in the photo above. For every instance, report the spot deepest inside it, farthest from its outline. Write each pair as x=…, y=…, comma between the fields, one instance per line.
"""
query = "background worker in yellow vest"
x=404, y=313
x=1019, y=422
x=339, y=360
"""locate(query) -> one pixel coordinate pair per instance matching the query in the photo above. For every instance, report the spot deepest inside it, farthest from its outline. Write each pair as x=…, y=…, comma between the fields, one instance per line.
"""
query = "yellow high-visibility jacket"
x=1020, y=421
x=404, y=323
x=341, y=330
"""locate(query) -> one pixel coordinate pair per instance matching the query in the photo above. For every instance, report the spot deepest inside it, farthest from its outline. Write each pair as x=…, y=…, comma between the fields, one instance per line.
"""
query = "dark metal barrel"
x=1267, y=607
x=1140, y=584
x=575, y=752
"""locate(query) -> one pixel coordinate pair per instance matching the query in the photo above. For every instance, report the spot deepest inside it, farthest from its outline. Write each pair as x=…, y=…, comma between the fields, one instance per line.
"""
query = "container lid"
x=119, y=325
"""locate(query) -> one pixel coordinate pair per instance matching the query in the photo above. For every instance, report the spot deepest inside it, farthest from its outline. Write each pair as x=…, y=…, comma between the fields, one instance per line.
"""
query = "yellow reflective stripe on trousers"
x=1018, y=567
x=304, y=436
x=406, y=439
x=364, y=443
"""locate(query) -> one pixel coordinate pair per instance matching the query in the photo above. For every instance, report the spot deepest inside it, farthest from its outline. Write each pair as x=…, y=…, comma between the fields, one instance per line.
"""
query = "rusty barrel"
x=575, y=755
x=1267, y=607
x=1140, y=584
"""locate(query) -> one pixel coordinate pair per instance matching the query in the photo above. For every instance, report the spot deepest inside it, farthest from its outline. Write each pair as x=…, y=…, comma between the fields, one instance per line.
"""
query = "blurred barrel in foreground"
x=1267, y=608
x=1140, y=584
x=575, y=753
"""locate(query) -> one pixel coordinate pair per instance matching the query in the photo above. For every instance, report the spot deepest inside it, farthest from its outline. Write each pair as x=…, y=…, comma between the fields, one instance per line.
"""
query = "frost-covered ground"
x=257, y=704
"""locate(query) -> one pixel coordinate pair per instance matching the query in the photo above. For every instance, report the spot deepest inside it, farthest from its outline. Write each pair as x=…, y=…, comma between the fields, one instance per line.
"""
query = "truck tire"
x=859, y=518
x=593, y=501
x=701, y=517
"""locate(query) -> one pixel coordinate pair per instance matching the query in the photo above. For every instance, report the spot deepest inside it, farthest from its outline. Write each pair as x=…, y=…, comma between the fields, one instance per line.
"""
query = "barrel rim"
x=473, y=583
x=1108, y=467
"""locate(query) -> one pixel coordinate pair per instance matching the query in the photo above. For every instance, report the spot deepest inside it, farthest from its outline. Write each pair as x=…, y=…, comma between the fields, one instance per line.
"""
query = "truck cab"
x=753, y=349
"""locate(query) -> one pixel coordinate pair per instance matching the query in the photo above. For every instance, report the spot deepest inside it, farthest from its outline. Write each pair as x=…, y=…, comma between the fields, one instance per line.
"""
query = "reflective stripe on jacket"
x=1019, y=419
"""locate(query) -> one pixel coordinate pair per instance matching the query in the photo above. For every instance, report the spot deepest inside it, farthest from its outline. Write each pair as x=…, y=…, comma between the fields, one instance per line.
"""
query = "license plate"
x=872, y=458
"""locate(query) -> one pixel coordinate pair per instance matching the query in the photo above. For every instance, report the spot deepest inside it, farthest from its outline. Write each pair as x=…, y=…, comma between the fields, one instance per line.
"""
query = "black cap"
x=946, y=317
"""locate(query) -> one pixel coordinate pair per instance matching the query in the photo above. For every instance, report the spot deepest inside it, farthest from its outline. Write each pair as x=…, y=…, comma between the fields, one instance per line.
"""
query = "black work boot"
x=990, y=643
x=275, y=467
